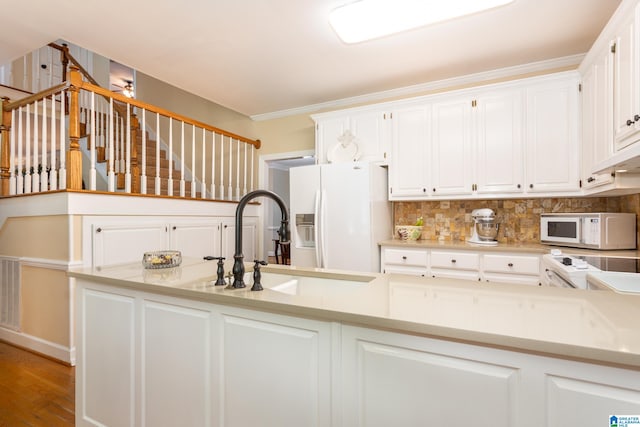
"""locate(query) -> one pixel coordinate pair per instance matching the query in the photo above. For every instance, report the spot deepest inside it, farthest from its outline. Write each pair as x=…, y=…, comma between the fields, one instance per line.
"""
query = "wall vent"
x=10, y=293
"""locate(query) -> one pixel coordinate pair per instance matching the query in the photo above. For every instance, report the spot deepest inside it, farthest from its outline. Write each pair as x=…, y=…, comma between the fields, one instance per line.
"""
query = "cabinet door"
x=455, y=265
x=553, y=153
x=249, y=239
x=327, y=132
x=106, y=359
x=405, y=261
x=196, y=239
x=272, y=370
x=597, y=137
x=452, y=157
x=411, y=144
x=499, y=142
x=398, y=380
x=176, y=344
x=625, y=85
x=126, y=242
x=370, y=129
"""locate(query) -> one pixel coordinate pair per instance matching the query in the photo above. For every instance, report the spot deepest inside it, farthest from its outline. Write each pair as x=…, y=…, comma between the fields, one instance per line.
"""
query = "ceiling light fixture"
x=369, y=19
x=128, y=90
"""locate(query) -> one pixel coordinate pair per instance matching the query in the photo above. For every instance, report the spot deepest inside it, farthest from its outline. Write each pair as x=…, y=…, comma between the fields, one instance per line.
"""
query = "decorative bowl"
x=161, y=259
x=409, y=232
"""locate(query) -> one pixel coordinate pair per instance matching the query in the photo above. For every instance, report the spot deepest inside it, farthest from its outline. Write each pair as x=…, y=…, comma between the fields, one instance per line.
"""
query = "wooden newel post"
x=74, y=155
x=135, y=164
x=5, y=161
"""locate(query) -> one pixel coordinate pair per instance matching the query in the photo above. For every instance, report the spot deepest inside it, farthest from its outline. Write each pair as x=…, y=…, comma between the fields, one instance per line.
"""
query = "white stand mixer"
x=485, y=228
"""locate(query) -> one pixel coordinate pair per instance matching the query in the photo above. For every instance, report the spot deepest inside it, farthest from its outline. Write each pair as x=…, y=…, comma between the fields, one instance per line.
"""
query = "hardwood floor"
x=34, y=390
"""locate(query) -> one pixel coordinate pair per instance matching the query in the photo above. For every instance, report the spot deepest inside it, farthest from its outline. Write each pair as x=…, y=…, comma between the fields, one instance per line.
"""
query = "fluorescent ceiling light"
x=370, y=19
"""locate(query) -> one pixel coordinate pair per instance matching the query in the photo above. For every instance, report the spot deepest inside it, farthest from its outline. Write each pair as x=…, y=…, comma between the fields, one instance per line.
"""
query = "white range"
x=591, y=271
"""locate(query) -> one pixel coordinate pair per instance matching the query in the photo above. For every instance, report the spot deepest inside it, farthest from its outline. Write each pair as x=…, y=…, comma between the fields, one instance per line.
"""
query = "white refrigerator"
x=339, y=213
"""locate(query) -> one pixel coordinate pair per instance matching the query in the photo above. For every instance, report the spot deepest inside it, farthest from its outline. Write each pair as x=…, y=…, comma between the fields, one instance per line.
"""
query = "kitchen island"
x=166, y=347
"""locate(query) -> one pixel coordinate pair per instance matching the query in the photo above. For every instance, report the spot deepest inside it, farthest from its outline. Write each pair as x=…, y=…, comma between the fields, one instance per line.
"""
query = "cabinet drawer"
x=456, y=260
x=516, y=264
x=415, y=257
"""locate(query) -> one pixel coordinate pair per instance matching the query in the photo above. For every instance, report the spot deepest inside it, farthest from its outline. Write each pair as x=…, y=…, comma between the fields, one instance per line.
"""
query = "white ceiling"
x=266, y=56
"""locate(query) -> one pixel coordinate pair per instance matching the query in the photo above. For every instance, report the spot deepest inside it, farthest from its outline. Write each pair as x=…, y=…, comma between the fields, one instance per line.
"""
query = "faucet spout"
x=283, y=232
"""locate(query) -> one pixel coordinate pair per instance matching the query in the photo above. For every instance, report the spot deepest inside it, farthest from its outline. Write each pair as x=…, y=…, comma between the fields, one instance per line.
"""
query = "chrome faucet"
x=283, y=232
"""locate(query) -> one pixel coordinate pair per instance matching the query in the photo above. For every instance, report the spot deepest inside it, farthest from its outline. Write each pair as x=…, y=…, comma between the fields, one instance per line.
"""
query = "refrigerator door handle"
x=317, y=233
x=323, y=233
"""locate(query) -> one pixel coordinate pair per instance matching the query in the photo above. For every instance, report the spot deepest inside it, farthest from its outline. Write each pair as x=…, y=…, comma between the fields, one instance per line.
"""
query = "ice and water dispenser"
x=305, y=231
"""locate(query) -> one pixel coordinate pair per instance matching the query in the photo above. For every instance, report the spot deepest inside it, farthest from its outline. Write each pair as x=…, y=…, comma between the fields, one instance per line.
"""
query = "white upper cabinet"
x=452, y=156
x=626, y=107
x=597, y=135
x=499, y=156
x=409, y=176
x=370, y=135
x=508, y=139
x=552, y=144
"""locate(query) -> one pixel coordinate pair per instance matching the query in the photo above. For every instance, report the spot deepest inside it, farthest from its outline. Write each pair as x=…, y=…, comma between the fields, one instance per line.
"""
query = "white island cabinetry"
x=164, y=348
x=146, y=359
x=399, y=379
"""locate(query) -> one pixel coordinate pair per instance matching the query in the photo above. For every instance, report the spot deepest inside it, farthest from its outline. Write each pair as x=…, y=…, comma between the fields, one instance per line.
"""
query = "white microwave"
x=589, y=230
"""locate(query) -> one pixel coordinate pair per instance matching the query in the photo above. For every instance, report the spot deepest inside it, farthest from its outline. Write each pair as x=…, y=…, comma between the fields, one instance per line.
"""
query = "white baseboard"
x=48, y=348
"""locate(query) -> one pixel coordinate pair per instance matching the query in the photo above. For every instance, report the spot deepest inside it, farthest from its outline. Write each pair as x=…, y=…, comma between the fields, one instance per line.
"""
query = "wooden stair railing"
x=217, y=175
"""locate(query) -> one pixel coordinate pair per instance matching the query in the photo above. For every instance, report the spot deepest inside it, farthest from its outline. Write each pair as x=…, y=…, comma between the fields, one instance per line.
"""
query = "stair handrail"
x=72, y=89
x=162, y=111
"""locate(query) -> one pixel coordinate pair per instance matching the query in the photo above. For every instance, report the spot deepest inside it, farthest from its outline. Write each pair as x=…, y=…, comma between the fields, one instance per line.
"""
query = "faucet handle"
x=220, y=271
x=257, y=276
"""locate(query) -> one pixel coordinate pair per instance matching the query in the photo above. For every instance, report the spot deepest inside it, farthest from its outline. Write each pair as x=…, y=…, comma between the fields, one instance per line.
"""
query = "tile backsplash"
x=519, y=218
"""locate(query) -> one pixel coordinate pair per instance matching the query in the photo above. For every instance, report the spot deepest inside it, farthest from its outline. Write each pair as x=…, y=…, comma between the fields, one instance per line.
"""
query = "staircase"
x=118, y=122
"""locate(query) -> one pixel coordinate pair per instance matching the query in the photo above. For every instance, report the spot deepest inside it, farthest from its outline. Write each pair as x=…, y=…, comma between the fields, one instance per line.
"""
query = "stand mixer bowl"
x=487, y=229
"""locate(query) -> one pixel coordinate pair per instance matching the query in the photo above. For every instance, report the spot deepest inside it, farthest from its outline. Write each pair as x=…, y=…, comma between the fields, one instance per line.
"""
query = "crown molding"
x=407, y=91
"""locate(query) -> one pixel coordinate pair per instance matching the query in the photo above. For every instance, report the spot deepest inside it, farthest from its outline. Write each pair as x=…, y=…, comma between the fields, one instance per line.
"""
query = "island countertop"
x=595, y=326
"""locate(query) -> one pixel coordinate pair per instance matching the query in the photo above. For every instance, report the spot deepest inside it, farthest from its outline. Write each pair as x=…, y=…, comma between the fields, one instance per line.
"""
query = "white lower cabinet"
x=271, y=370
x=455, y=264
x=405, y=261
x=397, y=379
x=117, y=240
x=511, y=268
x=462, y=264
x=175, y=373
x=150, y=360
x=153, y=360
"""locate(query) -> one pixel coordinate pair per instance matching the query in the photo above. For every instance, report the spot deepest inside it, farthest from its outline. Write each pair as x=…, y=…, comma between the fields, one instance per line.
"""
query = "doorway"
x=274, y=176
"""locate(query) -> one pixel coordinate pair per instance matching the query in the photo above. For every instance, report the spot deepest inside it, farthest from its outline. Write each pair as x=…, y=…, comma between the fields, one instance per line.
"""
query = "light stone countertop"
x=595, y=326
x=537, y=248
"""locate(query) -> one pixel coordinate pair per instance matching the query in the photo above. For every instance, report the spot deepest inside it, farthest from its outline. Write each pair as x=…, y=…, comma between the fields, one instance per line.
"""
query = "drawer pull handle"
x=510, y=264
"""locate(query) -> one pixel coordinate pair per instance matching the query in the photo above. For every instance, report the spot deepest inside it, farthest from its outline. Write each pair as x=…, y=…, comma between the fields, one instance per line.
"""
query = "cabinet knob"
x=98, y=230
x=174, y=228
x=636, y=117
x=591, y=179
x=453, y=261
x=518, y=186
x=434, y=190
x=510, y=264
x=424, y=190
x=404, y=257
x=530, y=185
x=630, y=122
